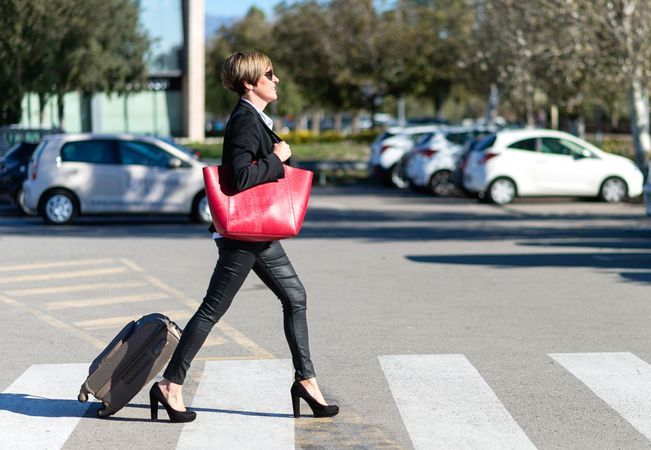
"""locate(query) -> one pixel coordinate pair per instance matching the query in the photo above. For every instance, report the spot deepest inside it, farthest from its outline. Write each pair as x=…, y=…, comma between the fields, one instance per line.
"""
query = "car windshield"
x=20, y=152
x=421, y=138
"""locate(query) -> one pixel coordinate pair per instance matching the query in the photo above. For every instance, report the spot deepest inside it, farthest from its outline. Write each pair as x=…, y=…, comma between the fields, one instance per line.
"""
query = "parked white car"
x=521, y=163
x=76, y=174
x=388, y=149
x=431, y=163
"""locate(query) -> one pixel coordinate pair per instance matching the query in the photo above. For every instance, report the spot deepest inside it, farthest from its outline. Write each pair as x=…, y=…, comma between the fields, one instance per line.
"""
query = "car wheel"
x=201, y=210
x=59, y=208
x=19, y=200
x=613, y=190
x=501, y=191
x=441, y=183
x=398, y=177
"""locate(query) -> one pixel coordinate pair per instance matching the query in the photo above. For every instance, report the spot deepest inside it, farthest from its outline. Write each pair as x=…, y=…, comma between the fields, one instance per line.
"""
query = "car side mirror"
x=174, y=163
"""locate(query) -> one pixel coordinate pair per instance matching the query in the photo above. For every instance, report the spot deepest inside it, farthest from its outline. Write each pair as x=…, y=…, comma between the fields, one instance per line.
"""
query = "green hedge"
x=337, y=150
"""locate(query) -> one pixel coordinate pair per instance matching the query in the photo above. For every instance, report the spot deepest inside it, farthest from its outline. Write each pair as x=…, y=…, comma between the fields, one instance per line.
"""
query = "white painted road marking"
x=243, y=405
x=622, y=380
x=445, y=403
x=40, y=409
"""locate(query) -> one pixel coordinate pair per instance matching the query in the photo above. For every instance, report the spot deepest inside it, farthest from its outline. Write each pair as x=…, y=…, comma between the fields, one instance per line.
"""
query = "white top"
x=270, y=123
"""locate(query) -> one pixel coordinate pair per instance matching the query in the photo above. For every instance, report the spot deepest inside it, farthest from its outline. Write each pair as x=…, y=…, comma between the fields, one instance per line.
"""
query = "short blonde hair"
x=243, y=66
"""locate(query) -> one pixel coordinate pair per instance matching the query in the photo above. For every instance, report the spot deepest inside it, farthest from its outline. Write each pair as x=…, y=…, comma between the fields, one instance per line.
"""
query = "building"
x=173, y=104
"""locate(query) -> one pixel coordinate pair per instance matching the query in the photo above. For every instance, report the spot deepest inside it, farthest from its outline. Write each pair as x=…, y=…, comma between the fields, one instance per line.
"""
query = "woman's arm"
x=243, y=145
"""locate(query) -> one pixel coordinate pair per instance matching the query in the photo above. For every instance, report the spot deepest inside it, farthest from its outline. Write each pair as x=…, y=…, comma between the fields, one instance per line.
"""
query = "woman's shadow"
x=35, y=406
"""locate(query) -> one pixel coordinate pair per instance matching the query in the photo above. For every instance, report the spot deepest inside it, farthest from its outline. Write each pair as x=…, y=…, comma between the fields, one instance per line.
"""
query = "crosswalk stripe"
x=243, y=405
x=40, y=409
x=93, y=302
x=74, y=288
x=55, y=264
x=113, y=322
x=63, y=275
x=622, y=380
x=444, y=400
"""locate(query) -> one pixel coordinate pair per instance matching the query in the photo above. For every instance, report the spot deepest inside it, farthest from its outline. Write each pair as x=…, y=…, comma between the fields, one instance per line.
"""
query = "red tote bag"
x=266, y=212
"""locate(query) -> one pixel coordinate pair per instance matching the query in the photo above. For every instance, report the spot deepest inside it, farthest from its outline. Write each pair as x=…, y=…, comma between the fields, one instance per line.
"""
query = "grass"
x=339, y=151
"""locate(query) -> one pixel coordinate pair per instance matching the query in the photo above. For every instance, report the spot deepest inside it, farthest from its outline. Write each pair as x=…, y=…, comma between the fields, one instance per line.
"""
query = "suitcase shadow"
x=30, y=405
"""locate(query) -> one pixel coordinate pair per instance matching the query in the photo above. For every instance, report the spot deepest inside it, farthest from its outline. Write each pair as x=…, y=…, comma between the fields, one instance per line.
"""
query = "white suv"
x=78, y=174
x=530, y=162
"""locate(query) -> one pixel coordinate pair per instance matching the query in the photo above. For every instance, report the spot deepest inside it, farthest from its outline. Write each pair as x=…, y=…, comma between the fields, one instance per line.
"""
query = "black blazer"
x=247, y=138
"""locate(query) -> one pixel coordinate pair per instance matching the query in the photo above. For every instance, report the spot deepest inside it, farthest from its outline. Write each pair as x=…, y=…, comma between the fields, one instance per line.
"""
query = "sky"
x=237, y=8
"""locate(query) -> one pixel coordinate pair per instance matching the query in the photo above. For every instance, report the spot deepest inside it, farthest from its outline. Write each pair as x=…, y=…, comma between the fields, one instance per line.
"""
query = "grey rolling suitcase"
x=130, y=361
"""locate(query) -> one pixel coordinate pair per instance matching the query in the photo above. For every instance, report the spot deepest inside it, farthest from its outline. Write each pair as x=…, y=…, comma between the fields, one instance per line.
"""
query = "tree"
x=617, y=36
x=253, y=32
x=69, y=45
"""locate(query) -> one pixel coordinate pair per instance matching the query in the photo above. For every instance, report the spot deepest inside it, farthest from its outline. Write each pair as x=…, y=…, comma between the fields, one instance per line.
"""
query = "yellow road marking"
x=228, y=330
x=52, y=265
x=133, y=266
x=105, y=301
x=114, y=322
x=63, y=275
x=212, y=341
x=74, y=288
x=55, y=322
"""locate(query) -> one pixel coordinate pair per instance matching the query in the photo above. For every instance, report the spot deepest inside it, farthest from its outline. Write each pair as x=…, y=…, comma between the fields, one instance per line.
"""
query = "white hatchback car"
x=389, y=147
x=75, y=174
x=433, y=160
x=530, y=162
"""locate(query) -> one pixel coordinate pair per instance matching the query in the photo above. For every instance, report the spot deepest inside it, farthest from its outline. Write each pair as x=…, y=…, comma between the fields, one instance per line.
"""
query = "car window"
x=525, y=144
x=92, y=151
x=20, y=152
x=143, y=154
x=554, y=146
x=419, y=138
x=576, y=149
x=458, y=138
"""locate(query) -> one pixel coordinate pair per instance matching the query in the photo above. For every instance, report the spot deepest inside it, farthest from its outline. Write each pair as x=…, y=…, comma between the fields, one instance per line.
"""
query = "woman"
x=253, y=158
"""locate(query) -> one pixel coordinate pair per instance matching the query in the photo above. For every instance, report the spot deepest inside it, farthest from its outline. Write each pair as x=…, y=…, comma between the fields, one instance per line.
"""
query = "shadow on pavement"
x=600, y=260
x=42, y=407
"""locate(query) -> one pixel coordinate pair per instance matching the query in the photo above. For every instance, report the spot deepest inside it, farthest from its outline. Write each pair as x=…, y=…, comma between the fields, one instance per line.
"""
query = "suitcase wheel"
x=82, y=397
x=104, y=411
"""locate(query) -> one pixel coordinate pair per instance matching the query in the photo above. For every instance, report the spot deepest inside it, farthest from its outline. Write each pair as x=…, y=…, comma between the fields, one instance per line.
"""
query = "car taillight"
x=487, y=156
x=34, y=170
x=428, y=152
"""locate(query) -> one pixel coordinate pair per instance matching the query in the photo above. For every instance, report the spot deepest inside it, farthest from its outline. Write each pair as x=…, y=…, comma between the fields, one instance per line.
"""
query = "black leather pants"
x=236, y=259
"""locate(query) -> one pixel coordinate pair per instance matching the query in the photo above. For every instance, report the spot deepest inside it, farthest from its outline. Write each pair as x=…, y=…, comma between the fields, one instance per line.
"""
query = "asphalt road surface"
x=434, y=323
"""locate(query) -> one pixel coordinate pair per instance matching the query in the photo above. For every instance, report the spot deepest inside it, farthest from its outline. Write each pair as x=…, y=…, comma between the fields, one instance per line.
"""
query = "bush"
x=618, y=147
x=329, y=136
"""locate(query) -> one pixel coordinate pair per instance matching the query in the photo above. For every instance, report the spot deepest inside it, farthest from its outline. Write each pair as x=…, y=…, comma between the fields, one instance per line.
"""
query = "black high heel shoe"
x=298, y=391
x=156, y=396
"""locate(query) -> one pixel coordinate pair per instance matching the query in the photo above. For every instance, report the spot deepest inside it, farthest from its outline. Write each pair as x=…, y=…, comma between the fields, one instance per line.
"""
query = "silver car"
x=76, y=174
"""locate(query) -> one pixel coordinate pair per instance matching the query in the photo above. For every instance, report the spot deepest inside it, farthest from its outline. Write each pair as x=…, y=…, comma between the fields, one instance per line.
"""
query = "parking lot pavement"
x=435, y=323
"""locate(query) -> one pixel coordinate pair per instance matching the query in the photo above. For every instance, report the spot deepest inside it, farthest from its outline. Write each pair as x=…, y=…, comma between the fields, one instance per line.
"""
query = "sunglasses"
x=269, y=74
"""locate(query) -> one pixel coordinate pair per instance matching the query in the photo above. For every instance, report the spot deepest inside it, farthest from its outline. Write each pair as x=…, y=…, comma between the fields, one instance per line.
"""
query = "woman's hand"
x=282, y=150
